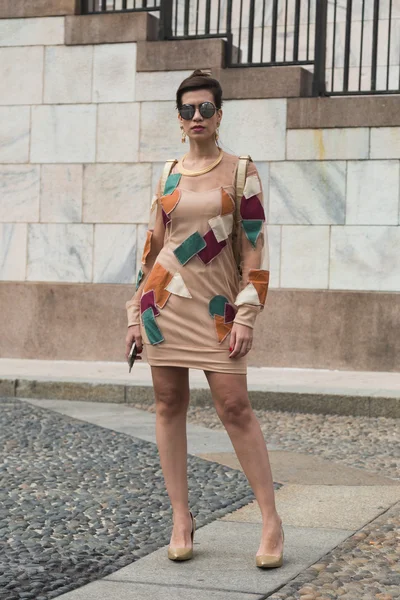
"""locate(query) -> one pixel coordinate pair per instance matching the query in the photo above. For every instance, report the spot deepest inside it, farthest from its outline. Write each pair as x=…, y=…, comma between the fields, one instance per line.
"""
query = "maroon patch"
x=212, y=249
x=166, y=218
x=229, y=313
x=251, y=208
x=148, y=300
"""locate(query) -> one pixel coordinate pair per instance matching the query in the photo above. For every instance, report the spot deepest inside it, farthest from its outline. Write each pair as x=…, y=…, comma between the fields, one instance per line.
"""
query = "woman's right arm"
x=153, y=245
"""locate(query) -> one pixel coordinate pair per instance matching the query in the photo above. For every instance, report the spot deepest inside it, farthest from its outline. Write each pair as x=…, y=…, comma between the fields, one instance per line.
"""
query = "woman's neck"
x=202, y=152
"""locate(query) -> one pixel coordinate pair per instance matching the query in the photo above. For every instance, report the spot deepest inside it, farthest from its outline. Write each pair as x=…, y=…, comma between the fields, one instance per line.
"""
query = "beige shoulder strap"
x=169, y=165
x=240, y=183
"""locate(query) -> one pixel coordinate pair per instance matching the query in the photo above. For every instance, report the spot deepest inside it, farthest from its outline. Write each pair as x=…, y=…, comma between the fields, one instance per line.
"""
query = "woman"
x=193, y=310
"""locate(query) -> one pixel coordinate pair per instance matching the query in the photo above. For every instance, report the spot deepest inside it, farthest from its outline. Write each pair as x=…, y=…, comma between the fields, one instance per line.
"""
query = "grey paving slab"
x=138, y=423
x=117, y=590
x=225, y=555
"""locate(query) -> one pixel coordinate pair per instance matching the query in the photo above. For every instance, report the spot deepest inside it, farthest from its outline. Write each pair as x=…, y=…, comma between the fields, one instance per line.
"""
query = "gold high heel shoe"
x=268, y=561
x=183, y=553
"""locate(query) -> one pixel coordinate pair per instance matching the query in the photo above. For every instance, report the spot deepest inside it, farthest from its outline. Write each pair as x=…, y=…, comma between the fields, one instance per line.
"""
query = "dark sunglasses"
x=206, y=109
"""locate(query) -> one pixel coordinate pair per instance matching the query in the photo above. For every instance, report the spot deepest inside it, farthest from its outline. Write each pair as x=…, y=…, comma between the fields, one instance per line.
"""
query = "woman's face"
x=199, y=127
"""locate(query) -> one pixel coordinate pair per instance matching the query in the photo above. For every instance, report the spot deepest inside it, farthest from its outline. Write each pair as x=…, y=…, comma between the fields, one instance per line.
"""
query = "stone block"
x=365, y=258
x=385, y=142
x=12, y=251
x=141, y=238
x=118, y=132
x=358, y=111
x=327, y=144
x=160, y=136
x=274, y=245
x=61, y=193
x=68, y=74
x=114, y=73
x=31, y=32
x=255, y=127
x=114, y=254
x=110, y=28
x=373, y=192
x=181, y=55
x=305, y=256
x=307, y=193
x=12, y=9
x=264, y=82
x=60, y=252
x=21, y=75
x=158, y=86
x=19, y=187
x=116, y=193
x=7, y=388
x=63, y=134
x=14, y=134
x=69, y=390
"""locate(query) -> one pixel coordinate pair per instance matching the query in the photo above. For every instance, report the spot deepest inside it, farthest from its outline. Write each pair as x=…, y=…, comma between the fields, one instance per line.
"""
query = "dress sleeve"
x=153, y=244
x=254, y=251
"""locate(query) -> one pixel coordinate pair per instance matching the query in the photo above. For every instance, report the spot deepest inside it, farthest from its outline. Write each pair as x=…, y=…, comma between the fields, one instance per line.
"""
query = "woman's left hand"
x=241, y=340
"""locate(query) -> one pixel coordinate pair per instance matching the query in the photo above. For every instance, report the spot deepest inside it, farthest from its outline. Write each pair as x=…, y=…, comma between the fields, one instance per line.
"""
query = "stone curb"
x=328, y=404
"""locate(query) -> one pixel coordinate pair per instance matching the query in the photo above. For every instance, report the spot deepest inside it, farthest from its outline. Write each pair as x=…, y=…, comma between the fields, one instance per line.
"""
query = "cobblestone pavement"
x=78, y=501
x=362, y=442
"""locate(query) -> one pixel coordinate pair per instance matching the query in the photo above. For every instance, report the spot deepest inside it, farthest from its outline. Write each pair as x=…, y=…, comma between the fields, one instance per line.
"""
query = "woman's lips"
x=198, y=128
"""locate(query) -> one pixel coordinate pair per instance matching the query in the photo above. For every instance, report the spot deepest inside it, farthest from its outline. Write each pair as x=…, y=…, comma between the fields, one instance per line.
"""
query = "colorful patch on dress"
x=139, y=278
x=166, y=218
x=216, y=306
x=248, y=295
x=260, y=279
x=158, y=280
x=169, y=201
x=252, y=229
x=152, y=329
x=212, y=247
x=190, y=247
x=251, y=208
x=171, y=183
x=147, y=246
x=222, y=226
x=148, y=300
x=252, y=186
x=223, y=329
x=227, y=204
x=177, y=286
x=229, y=313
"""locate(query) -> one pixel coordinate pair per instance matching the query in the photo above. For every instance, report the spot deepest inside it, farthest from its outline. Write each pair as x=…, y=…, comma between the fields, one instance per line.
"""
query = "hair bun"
x=199, y=73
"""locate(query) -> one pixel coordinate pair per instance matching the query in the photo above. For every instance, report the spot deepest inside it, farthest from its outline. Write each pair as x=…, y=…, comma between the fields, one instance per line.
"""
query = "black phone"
x=132, y=356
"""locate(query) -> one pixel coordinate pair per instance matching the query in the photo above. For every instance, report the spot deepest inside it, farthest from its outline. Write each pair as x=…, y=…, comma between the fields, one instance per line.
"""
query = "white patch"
x=248, y=295
x=177, y=286
x=252, y=187
x=222, y=226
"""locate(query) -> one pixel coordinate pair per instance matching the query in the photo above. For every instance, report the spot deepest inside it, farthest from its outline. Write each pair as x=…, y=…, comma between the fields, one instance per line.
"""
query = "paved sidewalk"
x=371, y=394
x=331, y=504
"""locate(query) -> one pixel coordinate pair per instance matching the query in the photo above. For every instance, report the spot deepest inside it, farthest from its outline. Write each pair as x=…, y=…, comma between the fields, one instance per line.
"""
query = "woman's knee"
x=235, y=411
x=171, y=402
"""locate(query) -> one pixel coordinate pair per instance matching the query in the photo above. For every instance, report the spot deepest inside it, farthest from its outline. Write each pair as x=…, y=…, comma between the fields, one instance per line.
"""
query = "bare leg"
x=232, y=403
x=171, y=390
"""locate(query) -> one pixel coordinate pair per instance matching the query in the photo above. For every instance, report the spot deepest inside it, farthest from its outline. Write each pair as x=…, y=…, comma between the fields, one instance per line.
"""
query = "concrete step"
x=16, y=9
x=110, y=28
x=370, y=394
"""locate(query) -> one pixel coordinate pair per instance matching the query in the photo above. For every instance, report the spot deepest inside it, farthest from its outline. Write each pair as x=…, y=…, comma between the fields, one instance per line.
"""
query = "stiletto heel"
x=183, y=553
x=267, y=561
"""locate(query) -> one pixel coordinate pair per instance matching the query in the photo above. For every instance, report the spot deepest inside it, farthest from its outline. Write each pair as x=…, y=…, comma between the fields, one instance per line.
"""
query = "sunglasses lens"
x=207, y=110
x=187, y=112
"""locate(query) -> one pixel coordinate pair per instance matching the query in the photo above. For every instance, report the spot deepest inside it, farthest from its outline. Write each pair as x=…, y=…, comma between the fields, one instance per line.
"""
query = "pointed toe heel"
x=180, y=554
x=267, y=561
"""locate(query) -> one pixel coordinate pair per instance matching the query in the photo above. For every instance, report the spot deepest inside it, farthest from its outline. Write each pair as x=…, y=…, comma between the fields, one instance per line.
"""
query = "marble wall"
x=83, y=138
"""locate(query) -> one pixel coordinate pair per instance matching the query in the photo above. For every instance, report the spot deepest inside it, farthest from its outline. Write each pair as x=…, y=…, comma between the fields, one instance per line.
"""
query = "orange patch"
x=222, y=328
x=147, y=246
x=227, y=206
x=260, y=279
x=158, y=280
x=170, y=201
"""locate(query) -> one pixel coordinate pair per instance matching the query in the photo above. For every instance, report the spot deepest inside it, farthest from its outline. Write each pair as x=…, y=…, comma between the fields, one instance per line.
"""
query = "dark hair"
x=199, y=80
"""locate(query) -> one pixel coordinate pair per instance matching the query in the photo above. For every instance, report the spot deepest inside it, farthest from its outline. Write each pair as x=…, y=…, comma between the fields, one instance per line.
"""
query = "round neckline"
x=180, y=163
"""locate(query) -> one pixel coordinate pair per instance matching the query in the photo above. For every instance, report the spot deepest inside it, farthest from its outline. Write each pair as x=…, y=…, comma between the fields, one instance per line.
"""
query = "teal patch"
x=189, y=248
x=171, y=183
x=217, y=306
x=252, y=228
x=140, y=276
x=152, y=329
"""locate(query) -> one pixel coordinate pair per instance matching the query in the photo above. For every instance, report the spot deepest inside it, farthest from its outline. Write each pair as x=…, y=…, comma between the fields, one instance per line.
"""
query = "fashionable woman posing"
x=192, y=309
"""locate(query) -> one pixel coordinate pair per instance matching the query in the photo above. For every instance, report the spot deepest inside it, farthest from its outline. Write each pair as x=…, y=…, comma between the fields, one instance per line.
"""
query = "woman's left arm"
x=254, y=262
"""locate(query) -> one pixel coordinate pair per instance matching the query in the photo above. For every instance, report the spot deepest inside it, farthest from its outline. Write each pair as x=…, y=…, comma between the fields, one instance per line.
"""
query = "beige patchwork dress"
x=189, y=292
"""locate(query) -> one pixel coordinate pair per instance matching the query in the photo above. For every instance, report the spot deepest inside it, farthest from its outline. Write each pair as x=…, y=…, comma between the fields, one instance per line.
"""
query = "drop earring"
x=183, y=135
x=217, y=135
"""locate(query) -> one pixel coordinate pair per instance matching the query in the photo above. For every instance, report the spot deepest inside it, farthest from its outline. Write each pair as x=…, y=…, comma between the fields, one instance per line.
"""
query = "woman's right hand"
x=133, y=335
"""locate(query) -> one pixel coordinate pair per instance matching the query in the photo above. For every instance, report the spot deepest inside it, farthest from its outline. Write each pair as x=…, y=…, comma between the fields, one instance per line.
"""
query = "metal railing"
x=350, y=45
